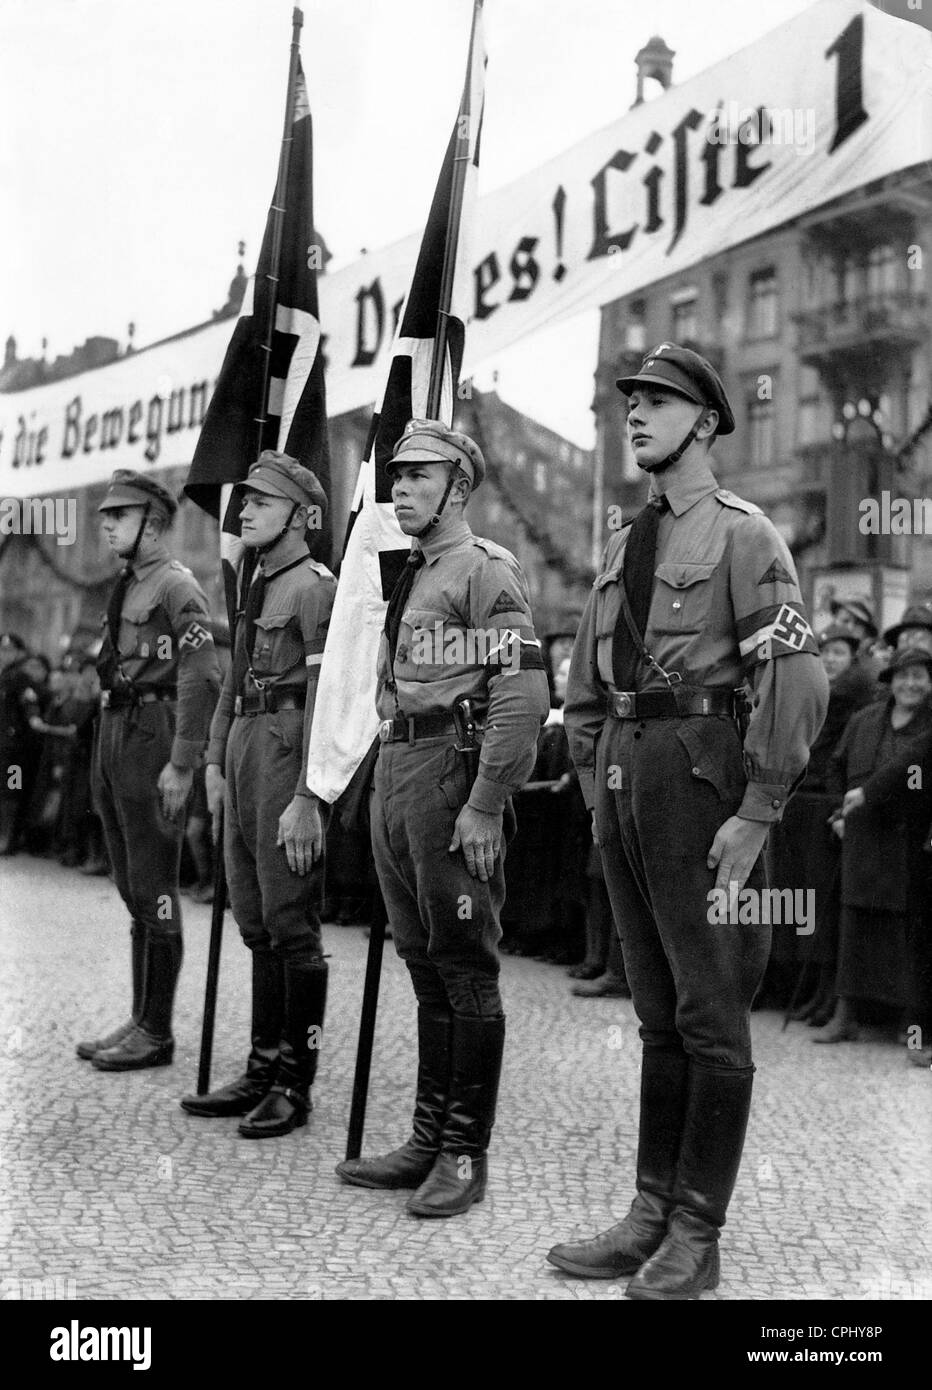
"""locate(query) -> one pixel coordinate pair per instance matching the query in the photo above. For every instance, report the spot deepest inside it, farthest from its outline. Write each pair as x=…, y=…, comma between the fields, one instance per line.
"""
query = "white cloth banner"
x=829, y=102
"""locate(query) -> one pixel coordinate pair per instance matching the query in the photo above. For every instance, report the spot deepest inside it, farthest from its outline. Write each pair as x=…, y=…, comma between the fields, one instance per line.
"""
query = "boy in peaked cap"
x=159, y=678
x=273, y=831
x=441, y=818
x=696, y=596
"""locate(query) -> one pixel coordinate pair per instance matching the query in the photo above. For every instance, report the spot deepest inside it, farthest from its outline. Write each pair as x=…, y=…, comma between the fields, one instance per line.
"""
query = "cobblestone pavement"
x=109, y=1191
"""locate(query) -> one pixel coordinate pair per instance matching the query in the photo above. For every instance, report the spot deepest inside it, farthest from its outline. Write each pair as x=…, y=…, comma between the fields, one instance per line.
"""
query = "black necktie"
x=115, y=609
x=255, y=597
x=398, y=601
x=638, y=579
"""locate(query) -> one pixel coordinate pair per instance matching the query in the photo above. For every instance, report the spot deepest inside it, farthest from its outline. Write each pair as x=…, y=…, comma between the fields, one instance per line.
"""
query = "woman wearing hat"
x=804, y=853
x=881, y=869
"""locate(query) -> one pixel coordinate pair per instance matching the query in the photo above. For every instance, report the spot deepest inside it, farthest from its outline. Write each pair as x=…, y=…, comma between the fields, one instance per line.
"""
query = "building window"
x=814, y=419
x=763, y=297
x=685, y=325
x=635, y=331
x=850, y=280
x=761, y=432
x=881, y=271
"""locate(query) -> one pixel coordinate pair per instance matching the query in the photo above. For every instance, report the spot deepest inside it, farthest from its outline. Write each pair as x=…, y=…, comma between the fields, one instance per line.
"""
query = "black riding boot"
x=268, y=1004
x=150, y=1044
x=286, y=1104
x=137, y=936
x=410, y=1165
x=458, y=1176
x=710, y=1154
x=625, y=1247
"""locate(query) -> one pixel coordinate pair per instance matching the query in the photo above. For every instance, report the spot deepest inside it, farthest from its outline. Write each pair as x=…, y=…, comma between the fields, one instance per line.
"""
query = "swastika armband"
x=514, y=651
x=781, y=629
x=195, y=637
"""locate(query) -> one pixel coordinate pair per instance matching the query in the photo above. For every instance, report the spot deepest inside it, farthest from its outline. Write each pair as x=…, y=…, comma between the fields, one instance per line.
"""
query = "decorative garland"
x=73, y=581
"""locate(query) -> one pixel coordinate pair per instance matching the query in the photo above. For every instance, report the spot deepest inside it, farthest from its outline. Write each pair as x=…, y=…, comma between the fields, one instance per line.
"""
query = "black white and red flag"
x=376, y=548
x=278, y=323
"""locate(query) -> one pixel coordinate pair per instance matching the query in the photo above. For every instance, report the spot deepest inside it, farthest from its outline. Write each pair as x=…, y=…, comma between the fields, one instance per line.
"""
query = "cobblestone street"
x=109, y=1191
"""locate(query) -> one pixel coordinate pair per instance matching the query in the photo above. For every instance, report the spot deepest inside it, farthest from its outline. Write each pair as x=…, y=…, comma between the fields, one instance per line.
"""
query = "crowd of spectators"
x=855, y=836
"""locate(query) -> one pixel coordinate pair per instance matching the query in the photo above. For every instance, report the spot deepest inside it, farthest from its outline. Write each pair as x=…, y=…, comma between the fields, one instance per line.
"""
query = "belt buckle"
x=385, y=730
x=623, y=704
x=238, y=705
x=105, y=699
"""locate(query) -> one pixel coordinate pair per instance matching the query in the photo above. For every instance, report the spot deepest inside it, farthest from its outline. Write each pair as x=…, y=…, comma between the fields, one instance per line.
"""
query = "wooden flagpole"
x=460, y=166
x=278, y=215
x=278, y=210
x=370, y=995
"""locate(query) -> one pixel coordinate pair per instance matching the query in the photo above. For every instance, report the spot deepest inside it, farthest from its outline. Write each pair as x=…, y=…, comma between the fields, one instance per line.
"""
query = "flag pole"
x=460, y=162
x=278, y=223
x=278, y=213
x=370, y=994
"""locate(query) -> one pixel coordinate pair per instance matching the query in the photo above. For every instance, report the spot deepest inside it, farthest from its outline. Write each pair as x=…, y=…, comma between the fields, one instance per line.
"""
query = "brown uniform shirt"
x=467, y=631
x=166, y=643
x=290, y=635
x=726, y=608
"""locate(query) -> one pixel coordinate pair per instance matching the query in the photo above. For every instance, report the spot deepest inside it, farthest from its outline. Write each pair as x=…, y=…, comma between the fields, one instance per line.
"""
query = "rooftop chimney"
x=654, y=60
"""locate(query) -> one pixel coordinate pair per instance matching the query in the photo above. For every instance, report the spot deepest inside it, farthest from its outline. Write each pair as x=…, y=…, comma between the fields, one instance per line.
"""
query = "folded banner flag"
x=239, y=424
x=376, y=548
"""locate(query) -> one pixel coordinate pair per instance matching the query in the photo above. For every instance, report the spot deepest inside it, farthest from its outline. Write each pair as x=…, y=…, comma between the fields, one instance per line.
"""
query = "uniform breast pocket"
x=279, y=645
x=140, y=633
x=682, y=596
x=427, y=644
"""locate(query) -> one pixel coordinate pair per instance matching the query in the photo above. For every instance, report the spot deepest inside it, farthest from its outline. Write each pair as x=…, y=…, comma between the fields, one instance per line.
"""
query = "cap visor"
x=627, y=384
x=122, y=499
x=260, y=485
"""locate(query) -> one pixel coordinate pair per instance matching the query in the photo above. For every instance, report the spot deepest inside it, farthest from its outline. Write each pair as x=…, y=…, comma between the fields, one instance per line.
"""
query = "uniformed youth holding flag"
x=458, y=627
x=159, y=679
x=273, y=832
x=682, y=804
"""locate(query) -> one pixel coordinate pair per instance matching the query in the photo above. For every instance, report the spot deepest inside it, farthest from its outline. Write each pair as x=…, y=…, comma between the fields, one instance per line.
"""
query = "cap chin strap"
x=678, y=453
x=269, y=545
x=130, y=556
x=435, y=519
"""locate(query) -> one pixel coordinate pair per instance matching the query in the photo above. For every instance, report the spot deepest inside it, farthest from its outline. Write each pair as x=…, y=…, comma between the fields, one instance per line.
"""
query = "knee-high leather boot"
x=625, y=1247
x=287, y=1103
x=137, y=936
x=458, y=1176
x=268, y=1006
x=717, y=1112
x=150, y=1044
x=410, y=1164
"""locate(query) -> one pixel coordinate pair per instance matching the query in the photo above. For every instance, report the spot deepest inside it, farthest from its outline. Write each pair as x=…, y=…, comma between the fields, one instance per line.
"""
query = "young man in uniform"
x=458, y=628
x=698, y=594
x=159, y=679
x=273, y=836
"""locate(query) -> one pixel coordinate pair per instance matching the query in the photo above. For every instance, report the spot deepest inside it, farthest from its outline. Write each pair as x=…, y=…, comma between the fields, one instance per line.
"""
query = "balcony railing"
x=896, y=316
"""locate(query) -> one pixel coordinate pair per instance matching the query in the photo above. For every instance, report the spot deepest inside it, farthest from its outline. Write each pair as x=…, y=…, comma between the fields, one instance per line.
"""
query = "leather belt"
x=123, y=699
x=670, y=704
x=410, y=729
x=269, y=702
